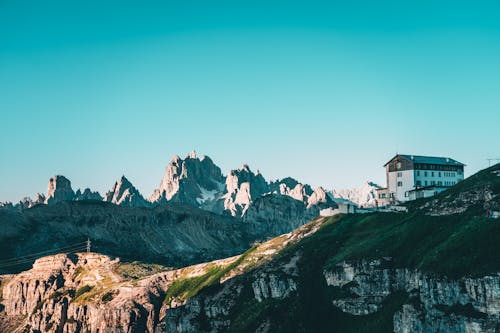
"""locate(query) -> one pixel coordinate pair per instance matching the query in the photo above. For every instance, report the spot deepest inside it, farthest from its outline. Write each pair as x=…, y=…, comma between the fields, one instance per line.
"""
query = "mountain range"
x=199, y=182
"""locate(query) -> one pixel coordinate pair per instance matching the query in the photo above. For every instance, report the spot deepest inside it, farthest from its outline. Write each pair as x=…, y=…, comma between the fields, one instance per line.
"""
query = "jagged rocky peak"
x=190, y=180
x=320, y=198
x=363, y=196
x=59, y=189
x=292, y=188
x=87, y=194
x=124, y=193
x=242, y=187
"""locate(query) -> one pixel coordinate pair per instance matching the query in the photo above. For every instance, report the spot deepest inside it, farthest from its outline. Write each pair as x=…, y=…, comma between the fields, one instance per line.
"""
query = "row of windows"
x=432, y=173
x=438, y=183
x=437, y=167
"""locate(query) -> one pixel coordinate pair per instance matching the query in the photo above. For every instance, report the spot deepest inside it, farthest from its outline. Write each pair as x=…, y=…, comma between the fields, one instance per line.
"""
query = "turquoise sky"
x=325, y=92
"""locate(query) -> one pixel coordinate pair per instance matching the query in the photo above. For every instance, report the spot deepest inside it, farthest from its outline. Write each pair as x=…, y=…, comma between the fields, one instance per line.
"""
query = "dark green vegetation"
x=456, y=245
x=82, y=290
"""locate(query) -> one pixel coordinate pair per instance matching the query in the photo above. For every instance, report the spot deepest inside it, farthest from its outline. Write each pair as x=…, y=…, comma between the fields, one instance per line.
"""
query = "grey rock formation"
x=195, y=181
x=242, y=187
x=59, y=189
x=87, y=194
x=125, y=194
x=291, y=187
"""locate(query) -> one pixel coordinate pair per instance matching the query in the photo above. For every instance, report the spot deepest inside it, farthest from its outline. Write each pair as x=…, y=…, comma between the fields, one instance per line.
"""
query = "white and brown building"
x=411, y=177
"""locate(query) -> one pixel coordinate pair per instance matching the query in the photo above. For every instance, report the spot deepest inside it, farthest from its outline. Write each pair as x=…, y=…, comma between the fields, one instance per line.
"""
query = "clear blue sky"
x=322, y=91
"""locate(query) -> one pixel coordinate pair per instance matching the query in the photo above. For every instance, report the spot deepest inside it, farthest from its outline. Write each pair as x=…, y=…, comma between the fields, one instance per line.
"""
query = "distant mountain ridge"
x=199, y=182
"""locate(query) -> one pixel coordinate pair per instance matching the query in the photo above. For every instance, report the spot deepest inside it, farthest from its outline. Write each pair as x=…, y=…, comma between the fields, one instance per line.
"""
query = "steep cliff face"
x=436, y=304
x=59, y=189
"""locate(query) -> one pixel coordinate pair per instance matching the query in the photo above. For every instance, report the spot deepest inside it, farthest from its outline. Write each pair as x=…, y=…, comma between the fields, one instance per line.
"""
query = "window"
x=439, y=174
x=425, y=173
x=399, y=174
x=418, y=173
x=426, y=183
x=432, y=174
x=440, y=183
x=419, y=183
x=398, y=165
x=406, y=193
x=400, y=184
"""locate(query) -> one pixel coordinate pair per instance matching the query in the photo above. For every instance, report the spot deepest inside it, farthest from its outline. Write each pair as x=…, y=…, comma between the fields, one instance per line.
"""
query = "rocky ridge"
x=196, y=181
x=125, y=194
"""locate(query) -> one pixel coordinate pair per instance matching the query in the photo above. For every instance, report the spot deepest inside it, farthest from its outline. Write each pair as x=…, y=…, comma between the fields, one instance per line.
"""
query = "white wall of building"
x=406, y=181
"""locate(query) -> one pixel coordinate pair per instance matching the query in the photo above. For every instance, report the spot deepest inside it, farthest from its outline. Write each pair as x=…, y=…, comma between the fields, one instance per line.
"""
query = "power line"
x=28, y=261
x=69, y=248
x=43, y=252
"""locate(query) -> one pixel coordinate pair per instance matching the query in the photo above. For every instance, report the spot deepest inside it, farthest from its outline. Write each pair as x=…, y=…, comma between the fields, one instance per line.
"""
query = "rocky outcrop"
x=87, y=194
x=292, y=188
x=195, y=181
x=59, y=189
x=242, y=187
x=125, y=194
x=437, y=303
x=87, y=292
x=320, y=199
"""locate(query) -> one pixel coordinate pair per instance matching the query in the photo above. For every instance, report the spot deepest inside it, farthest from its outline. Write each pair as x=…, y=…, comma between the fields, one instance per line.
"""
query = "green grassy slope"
x=457, y=245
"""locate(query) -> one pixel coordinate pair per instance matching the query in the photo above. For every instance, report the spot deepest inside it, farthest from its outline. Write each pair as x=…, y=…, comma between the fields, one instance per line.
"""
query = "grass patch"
x=183, y=289
x=83, y=290
x=108, y=296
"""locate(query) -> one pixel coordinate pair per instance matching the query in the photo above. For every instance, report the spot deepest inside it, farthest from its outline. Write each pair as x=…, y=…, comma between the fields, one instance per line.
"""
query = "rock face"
x=363, y=196
x=87, y=292
x=438, y=304
x=291, y=187
x=242, y=187
x=125, y=194
x=195, y=181
x=59, y=189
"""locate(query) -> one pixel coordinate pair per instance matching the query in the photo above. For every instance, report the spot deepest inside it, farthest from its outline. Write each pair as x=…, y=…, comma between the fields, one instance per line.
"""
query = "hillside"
x=370, y=273
x=172, y=234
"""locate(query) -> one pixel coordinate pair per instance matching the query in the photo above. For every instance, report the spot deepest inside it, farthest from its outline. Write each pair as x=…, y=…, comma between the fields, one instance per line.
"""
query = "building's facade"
x=410, y=177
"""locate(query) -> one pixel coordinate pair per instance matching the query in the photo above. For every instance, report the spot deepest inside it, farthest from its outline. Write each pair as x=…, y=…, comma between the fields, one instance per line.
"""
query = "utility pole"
x=491, y=160
x=88, y=245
